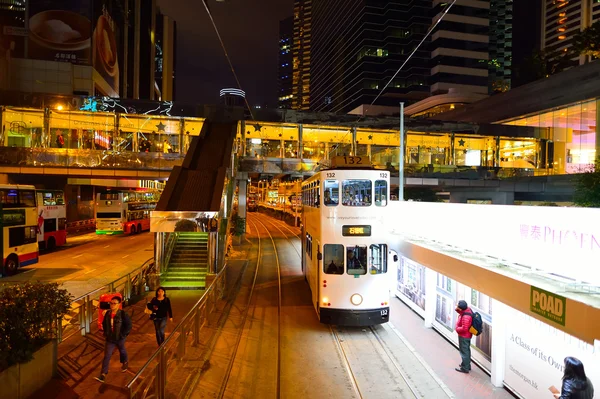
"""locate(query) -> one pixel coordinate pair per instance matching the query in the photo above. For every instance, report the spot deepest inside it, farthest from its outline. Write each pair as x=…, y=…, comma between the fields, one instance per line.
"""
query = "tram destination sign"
x=353, y=231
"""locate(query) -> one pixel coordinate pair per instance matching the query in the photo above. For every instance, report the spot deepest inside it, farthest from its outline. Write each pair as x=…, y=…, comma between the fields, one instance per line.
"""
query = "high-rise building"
x=501, y=45
x=562, y=20
x=285, y=67
x=460, y=47
x=353, y=60
x=527, y=27
x=301, y=54
x=164, y=60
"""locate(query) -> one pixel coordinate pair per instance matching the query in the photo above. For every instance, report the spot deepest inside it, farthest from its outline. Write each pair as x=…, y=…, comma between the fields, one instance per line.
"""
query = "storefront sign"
x=548, y=305
x=557, y=240
x=535, y=354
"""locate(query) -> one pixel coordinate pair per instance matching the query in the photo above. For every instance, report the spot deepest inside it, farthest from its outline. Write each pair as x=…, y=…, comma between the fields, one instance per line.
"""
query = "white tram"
x=345, y=251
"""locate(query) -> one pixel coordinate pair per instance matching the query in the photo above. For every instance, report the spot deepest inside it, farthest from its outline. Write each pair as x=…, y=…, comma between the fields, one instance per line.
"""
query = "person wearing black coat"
x=575, y=383
x=160, y=306
x=117, y=326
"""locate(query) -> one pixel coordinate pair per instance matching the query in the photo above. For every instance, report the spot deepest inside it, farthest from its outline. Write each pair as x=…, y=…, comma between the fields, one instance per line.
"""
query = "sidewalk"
x=80, y=357
x=441, y=356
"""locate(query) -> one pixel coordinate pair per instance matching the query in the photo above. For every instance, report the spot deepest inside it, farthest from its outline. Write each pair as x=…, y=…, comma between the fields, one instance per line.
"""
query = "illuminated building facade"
x=351, y=62
x=301, y=54
x=562, y=20
x=285, y=68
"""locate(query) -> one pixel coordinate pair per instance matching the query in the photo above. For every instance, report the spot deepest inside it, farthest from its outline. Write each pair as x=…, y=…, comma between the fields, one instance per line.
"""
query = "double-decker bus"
x=19, y=227
x=346, y=253
x=124, y=211
x=52, y=219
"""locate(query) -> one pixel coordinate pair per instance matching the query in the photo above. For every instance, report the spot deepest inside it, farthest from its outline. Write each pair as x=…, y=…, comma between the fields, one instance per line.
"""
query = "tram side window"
x=356, y=259
x=333, y=259
x=378, y=257
x=381, y=192
x=356, y=192
x=331, y=193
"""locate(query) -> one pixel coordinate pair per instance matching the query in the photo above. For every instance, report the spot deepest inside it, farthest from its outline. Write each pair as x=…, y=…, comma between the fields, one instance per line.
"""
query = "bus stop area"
x=80, y=357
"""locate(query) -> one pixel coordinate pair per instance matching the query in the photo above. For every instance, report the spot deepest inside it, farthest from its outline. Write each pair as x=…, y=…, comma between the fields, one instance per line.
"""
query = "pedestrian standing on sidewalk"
x=463, y=324
x=575, y=384
x=161, y=309
x=117, y=326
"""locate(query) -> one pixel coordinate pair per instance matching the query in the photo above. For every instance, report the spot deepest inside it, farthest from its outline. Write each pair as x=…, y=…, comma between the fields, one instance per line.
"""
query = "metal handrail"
x=80, y=316
x=196, y=314
x=171, y=241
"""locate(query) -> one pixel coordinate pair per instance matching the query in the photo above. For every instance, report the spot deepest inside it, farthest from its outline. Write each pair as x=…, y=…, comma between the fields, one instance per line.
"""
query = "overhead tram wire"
x=406, y=61
x=204, y=2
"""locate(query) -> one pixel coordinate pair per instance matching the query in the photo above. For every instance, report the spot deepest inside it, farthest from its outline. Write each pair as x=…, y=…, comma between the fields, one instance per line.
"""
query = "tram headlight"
x=356, y=299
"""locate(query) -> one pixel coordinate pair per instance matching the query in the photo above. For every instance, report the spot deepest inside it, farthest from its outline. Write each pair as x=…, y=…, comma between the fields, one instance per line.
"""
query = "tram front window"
x=331, y=193
x=356, y=259
x=333, y=259
x=378, y=257
x=356, y=192
x=381, y=190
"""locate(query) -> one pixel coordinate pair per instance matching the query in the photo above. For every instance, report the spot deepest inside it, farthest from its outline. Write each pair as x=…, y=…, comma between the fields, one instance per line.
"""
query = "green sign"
x=548, y=305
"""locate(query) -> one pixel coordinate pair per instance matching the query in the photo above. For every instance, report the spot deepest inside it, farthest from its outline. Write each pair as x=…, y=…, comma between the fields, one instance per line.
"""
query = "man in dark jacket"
x=116, y=326
x=463, y=324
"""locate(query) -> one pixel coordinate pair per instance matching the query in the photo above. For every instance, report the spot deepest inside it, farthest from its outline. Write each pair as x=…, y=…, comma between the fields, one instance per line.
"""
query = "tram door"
x=317, y=275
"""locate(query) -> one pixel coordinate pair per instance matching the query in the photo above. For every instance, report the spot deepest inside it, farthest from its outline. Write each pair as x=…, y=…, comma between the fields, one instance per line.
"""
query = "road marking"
x=107, y=246
x=27, y=271
x=76, y=256
x=124, y=256
x=89, y=271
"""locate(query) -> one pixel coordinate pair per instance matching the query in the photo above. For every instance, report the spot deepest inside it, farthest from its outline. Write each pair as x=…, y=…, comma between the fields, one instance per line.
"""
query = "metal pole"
x=401, y=160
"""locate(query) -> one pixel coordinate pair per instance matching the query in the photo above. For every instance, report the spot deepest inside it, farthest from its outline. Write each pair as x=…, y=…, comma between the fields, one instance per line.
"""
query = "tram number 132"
x=384, y=312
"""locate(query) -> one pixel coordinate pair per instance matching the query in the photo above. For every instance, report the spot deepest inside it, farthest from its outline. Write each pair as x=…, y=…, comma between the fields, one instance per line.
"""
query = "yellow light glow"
x=59, y=107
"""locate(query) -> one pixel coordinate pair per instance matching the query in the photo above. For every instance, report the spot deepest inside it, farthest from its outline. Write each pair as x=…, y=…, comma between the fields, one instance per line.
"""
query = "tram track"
x=249, y=316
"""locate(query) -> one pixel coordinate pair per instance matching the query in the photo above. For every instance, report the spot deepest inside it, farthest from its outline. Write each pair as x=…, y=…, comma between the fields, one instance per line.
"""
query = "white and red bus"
x=52, y=219
x=19, y=227
x=125, y=211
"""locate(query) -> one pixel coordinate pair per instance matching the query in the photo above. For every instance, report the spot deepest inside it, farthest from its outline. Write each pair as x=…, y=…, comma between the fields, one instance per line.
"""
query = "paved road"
x=88, y=261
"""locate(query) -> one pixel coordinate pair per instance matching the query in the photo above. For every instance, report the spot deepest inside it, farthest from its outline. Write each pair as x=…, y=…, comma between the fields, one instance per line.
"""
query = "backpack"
x=476, y=323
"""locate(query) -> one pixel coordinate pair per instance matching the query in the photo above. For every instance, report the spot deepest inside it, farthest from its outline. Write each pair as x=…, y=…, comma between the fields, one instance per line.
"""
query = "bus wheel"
x=11, y=265
x=51, y=246
x=139, y=228
x=132, y=230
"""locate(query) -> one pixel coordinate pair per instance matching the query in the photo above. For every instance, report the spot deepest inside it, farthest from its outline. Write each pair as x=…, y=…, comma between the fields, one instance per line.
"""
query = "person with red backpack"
x=463, y=327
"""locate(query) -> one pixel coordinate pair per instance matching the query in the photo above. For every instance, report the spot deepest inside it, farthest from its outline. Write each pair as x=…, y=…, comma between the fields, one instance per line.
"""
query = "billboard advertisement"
x=535, y=355
x=60, y=30
x=107, y=42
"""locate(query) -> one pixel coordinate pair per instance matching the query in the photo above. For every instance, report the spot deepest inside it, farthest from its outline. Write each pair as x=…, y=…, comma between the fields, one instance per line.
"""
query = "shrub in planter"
x=29, y=318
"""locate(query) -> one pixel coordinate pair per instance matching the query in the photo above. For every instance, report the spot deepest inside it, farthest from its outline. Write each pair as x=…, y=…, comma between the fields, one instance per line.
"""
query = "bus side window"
x=27, y=197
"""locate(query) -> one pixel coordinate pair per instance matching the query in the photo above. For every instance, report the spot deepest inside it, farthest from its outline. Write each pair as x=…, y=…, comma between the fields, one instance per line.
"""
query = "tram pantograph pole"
x=401, y=158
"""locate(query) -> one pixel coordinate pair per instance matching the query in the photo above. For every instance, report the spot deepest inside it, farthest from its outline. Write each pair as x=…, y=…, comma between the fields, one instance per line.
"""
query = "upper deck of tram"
x=346, y=188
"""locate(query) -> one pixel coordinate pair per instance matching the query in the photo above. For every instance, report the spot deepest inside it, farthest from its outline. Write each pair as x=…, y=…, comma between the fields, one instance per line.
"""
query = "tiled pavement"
x=442, y=357
x=80, y=358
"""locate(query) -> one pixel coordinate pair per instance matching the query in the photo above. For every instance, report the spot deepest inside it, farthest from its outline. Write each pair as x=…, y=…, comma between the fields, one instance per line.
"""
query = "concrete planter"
x=22, y=380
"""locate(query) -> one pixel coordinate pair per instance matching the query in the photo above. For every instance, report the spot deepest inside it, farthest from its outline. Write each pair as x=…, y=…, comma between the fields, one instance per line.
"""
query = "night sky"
x=250, y=31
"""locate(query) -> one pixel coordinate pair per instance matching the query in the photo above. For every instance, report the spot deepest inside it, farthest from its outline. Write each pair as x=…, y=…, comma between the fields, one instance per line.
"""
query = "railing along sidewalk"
x=83, y=312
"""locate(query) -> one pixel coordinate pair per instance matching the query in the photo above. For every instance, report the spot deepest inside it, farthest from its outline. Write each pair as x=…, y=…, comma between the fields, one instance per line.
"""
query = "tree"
x=29, y=318
x=587, y=188
x=539, y=65
x=587, y=42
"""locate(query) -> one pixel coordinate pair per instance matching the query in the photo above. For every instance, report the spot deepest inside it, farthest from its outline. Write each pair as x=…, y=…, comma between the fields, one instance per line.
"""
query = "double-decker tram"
x=52, y=219
x=19, y=227
x=125, y=211
x=345, y=251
